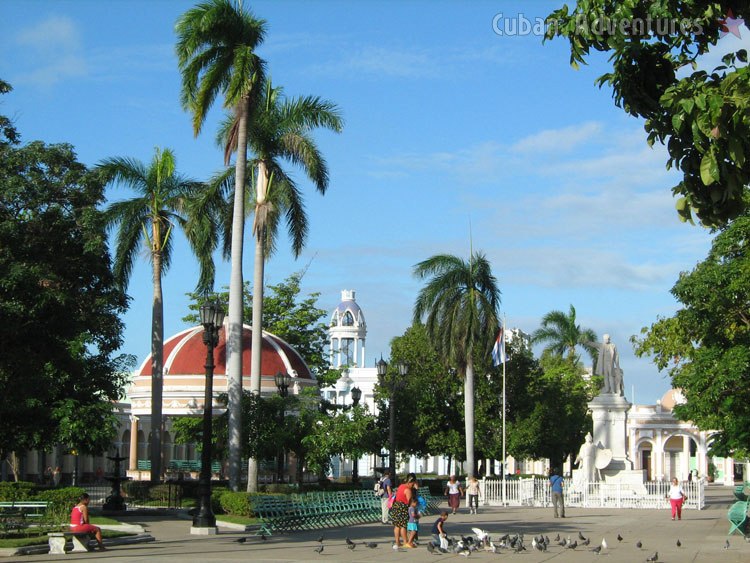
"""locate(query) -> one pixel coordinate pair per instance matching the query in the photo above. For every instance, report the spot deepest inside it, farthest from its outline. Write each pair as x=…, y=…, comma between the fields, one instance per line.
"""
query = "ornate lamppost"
x=356, y=396
x=283, y=381
x=212, y=317
x=392, y=383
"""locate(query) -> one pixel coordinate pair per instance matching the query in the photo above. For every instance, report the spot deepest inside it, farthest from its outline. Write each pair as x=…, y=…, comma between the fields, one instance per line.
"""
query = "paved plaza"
x=702, y=534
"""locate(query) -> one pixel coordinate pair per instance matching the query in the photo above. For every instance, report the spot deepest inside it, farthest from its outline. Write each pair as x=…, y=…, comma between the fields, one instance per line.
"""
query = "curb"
x=44, y=548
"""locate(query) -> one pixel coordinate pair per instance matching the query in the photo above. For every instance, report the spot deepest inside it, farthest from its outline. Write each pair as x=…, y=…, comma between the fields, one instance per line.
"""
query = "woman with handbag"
x=676, y=498
x=400, y=511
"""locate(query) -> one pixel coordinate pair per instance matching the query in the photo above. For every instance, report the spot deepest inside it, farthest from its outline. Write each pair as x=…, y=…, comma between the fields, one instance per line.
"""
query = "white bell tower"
x=347, y=333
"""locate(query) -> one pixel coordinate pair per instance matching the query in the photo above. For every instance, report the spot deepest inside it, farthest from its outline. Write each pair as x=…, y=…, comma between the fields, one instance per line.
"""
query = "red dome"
x=185, y=354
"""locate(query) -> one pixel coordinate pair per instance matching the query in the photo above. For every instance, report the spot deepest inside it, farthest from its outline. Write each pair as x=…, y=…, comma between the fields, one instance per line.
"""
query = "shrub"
x=61, y=502
x=15, y=490
x=236, y=504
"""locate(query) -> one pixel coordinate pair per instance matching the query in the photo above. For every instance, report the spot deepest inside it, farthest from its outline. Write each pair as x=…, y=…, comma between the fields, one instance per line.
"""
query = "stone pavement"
x=702, y=534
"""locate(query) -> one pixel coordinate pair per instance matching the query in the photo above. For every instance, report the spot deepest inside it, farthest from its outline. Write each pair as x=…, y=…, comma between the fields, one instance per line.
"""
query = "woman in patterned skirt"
x=400, y=511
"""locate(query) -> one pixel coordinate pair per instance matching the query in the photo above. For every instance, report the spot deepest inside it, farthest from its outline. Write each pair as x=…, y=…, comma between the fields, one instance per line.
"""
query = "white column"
x=685, y=456
x=354, y=342
x=658, y=456
x=133, y=461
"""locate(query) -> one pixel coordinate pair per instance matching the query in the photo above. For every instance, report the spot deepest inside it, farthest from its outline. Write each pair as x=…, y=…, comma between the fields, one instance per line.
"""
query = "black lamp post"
x=392, y=383
x=212, y=317
x=282, y=380
x=356, y=396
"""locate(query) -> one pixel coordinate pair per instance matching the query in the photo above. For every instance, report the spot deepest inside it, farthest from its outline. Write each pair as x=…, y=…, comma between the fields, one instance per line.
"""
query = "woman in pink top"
x=79, y=520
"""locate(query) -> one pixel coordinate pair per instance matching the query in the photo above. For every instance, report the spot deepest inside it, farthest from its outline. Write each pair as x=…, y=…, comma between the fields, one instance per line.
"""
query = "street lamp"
x=392, y=384
x=212, y=317
x=283, y=381
x=356, y=396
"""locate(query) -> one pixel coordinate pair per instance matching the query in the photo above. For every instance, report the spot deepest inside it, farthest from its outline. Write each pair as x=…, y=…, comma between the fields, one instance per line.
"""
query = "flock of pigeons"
x=481, y=542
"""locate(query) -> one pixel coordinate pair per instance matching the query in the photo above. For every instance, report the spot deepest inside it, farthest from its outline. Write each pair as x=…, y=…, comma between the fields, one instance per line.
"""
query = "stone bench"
x=57, y=541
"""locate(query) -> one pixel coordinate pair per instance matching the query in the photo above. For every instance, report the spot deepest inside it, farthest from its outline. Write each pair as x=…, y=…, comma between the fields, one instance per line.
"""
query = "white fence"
x=536, y=492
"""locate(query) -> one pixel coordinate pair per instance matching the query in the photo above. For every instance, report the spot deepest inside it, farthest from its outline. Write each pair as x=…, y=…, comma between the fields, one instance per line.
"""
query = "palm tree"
x=163, y=202
x=563, y=335
x=280, y=130
x=216, y=54
x=459, y=306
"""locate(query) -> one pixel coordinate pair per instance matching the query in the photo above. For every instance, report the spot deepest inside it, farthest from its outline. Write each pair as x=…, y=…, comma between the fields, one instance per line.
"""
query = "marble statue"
x=586, y=459
x=608, y=366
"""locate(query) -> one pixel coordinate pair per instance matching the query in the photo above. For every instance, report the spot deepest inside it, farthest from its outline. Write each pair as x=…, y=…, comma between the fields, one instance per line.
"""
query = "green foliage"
x=294, y=319
x=56, y=288
x=428, y=403
x=15, y=490
x=236, y=503
x=702, y=116
x=705, y=346
x=563, y=335
x=61, y=502
x=8, y=133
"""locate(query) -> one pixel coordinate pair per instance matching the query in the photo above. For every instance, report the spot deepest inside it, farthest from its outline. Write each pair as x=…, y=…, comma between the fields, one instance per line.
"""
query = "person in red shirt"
x=400, y=511
x=79, y=520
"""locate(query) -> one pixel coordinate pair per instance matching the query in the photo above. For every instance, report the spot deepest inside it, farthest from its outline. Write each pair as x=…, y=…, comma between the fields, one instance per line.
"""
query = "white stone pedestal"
x=207, y=531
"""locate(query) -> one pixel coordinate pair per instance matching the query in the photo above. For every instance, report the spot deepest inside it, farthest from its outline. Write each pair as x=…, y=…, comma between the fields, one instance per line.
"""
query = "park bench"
x=57, y=541
x=27, y=508
x=740, y=492
x=188, y=465
x=737, y=516
x=144, y=465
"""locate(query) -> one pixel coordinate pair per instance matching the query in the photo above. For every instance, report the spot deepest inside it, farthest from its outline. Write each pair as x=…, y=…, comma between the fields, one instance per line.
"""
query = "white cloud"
x=53, y=48
x=558, y=140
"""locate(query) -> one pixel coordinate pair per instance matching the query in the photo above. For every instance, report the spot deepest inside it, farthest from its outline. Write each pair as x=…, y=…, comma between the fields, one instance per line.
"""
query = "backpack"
x=379, y=490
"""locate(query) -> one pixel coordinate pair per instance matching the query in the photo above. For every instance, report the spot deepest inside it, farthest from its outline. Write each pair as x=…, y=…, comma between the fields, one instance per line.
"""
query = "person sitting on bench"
x=79, y=520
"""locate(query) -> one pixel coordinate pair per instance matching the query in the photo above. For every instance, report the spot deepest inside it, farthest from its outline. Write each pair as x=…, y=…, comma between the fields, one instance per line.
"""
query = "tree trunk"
x=234, y=317
x=257, y=338
x=157, y=355
x=469, y=416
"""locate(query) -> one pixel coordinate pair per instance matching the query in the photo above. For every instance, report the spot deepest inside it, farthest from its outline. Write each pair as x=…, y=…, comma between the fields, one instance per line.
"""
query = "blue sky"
x=451, y=129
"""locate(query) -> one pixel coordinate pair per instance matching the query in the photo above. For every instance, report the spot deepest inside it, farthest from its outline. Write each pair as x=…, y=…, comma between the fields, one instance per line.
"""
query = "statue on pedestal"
x=586, y=460
x=608, y=366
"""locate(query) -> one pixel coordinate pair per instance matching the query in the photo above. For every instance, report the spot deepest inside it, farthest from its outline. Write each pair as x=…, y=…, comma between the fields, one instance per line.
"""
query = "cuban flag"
x=498, y=350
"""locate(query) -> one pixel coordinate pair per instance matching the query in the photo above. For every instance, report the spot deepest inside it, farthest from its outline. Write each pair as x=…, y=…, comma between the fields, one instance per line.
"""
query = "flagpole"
x=505, y=470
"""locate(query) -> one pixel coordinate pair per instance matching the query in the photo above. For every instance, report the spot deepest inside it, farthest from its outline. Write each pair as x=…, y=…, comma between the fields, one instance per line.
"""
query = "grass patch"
x=104, y=520
x=237, y=519
x=15, y=541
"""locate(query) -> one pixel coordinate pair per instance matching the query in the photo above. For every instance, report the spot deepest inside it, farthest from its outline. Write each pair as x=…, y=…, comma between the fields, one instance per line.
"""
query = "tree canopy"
x=705, y=346
x=701, y=115
x=59, y=305
x=563, y=335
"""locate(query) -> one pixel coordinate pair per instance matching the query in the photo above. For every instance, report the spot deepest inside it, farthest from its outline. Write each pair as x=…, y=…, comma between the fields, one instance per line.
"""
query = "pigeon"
x=573, y=545
x=557, y=538
x=586, y=541
x=319, y=549
x=263, y=536
x=638, y=544
x=351, y=546
x=349, y=542
x=597, y=549
x=654, y=557
x=241, y=540
x=481, y=534
x=465, y=552
x=619, y=537
x=581, y=536
x=320, y=539
x=546, y=540
x=679, y=543
x=371, y=544
x=430, y=548
x=726, y=544
x=604, y=543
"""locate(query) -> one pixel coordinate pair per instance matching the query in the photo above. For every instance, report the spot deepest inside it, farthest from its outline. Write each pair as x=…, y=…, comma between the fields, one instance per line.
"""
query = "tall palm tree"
x=459, y=305
x=562, y=334
x=280, y=131
x=147, y=220
x=216, y=55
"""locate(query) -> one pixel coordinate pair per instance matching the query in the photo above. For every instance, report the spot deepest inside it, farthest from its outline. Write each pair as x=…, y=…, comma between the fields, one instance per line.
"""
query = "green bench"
x=740, y=492
x=191, y=465
x=144, y=465
x=737, y=516
x=27, y=508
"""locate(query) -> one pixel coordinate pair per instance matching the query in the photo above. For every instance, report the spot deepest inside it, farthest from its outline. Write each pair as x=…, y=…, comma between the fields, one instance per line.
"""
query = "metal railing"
x=535, y=491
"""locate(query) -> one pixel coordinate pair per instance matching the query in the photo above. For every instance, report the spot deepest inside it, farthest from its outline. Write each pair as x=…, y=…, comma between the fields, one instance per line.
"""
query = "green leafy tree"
x=216, y=43
x=705, y=346
x=459, y=304
x=59, y=305
x=280, y=131
x=429, y=403
x=162, y=202
x=563, y=335
x=288, y=315
x=701, y=116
